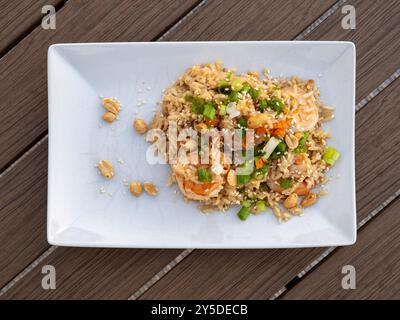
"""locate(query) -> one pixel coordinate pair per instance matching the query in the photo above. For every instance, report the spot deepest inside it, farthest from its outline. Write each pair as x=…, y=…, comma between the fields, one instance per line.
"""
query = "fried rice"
x=289, y=155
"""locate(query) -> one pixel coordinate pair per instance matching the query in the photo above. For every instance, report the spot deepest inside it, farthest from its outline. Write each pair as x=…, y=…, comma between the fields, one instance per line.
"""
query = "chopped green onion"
x=243, y=213
x=243, y=179
x=229, y=74
x=246, y=203
x=188, y=98
x=276, y=104
x=197, y=105
x=263, y=105
x=264, y=186
x=261, y=206
x=223, y=87
x=331, y=155
x=242, y=122
x=204, y=175
x=209, y=111
x=286, y=183
x=223, y=109
x=302, y=143
x=236, y=85
x=255, y=93
x=246, y=87
x=259, y=174
x=233, y=96
x=279, y=150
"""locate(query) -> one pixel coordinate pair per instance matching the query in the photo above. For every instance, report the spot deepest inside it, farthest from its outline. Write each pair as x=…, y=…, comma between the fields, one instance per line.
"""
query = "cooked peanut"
x=310, y=84
x=231, y=178
x=135, y=188
x=112, y=105
x=109, y=117
x=291, y=201
x=299, y=134
x=150, y=188
x=106, y=169
x=201, y=126
x=291, y=141
x=139, y=125
x=258, y=120
x=309, y=199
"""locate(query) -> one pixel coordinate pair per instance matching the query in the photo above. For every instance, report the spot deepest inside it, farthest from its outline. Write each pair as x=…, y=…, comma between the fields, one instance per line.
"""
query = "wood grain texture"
x=58, y=255
x=23, y=193
x=258, y=274
x=23, y=78
x=85, y=273
x=17, y=18
x=375, y=257
x=250, y=20
x=375, y=37
x=260, y=260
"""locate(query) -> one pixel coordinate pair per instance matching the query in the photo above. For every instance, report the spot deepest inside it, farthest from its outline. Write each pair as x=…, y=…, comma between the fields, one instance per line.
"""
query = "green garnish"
x=301, y=148
x=209, y=111
x=234, y=96
x=223, y=109
x=223, y=87
x=246, y=87
x=255, y=93
x=278, y=151
x=259, y=174
x=197, y=105
x=246, y=203
x=264, y=186
x=263, y=105
x=276, y=104
x=261, y=206
x=331, y=155
x=242, y=122
x=243, y=213
x=204, y=175
x=286, y=183
x=243, y=179
x=237, y=85
x=229, y=74
x=188, y=98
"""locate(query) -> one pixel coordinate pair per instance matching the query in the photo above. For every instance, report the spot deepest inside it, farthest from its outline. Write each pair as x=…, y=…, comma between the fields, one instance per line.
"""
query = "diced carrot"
x=259, y=163
x=260, y=131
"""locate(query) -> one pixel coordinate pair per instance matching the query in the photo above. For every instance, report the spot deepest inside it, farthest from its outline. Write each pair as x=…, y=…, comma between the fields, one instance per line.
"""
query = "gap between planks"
x=187, y=252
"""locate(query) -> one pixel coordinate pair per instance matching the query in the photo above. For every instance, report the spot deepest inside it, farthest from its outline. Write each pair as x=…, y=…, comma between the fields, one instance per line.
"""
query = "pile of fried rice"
x=289, y=155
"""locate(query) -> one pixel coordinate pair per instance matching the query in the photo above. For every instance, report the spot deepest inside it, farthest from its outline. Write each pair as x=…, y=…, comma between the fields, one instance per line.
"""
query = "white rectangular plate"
x=80, y=215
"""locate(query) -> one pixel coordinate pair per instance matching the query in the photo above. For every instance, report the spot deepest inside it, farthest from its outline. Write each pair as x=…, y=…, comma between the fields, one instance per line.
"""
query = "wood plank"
x=23, y=78
x=258, y=274
x=375, y=36
x=59, y=255
x=23, y=213
x=17, y=18
x=375, y=257
x=103, y=273
x=23, y=187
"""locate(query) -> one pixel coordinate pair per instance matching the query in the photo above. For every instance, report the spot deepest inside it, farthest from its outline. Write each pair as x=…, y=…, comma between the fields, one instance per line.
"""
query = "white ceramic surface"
x=80, y=215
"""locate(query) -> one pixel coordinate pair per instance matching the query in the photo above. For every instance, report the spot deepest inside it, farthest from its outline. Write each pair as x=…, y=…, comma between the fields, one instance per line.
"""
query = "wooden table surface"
x=314, y=273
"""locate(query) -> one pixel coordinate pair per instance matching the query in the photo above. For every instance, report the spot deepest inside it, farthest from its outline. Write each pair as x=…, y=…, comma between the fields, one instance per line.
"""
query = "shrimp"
x=193, y=189
x=305, y=117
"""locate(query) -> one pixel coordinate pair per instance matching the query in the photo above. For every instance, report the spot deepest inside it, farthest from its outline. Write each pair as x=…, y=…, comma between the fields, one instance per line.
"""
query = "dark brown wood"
x=253, y=279
x=23, y=82
x=84, y=273
x=312, y=10
x=258, y=274
x=23, y=191
x=375, y=37
x=375, y=257
x=18, y=18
